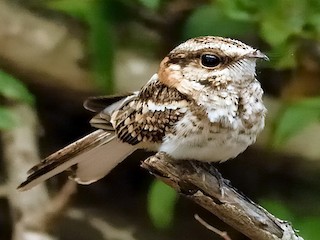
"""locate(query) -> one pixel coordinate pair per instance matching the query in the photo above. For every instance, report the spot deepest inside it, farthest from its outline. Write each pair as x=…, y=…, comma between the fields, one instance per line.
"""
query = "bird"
x=204, y=103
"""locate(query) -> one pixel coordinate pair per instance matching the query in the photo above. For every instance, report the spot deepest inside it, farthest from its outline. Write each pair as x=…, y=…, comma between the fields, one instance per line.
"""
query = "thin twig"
x=107, y=230
x=222, y=234
x=57, y=206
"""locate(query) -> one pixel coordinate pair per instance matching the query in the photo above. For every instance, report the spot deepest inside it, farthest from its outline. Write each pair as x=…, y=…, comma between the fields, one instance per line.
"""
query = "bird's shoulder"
x=150, y=114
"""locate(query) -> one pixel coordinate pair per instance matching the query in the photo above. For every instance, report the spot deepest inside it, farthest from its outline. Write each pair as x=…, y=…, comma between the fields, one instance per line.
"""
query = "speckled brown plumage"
x=135, y=122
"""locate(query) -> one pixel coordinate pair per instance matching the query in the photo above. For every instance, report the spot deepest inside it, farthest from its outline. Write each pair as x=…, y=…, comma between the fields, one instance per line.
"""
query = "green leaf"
x=309, y=227
x=75, y=8
x=277, y=208
x=282, y=20
x=101, y=45
x=243, y=10
x=312, y=103
x=294, y=118
x=161, y=203
x=283, y=56
x=7, y=119
x=210, y=20
x=314, y=20
x=152, y=4
x=13, y=89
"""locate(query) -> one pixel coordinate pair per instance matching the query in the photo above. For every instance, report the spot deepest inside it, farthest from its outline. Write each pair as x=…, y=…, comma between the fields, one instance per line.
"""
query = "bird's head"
x=209, y=61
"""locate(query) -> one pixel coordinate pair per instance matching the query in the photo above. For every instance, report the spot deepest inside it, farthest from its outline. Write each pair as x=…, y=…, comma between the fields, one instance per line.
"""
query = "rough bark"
x=203, y=184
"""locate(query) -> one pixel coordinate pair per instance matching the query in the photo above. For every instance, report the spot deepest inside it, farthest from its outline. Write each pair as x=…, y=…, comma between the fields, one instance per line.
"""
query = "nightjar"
x=204, y=103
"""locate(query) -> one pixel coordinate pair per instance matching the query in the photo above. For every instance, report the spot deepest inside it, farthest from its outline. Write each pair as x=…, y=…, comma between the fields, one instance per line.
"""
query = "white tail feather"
x=92, y=155
x=96, y=164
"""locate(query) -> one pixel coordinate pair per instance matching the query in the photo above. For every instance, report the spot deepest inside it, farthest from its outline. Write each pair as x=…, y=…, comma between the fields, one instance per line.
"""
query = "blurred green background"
x=56, y=53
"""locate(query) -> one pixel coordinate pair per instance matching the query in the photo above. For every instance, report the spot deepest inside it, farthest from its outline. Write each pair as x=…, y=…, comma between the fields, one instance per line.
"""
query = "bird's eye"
x=210, y=61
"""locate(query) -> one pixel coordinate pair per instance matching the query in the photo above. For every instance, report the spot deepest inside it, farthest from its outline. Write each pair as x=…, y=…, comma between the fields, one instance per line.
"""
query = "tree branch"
x=20, y=150
x=34, y=212
x=30, y=44
x=203, y=184
x=107, y=230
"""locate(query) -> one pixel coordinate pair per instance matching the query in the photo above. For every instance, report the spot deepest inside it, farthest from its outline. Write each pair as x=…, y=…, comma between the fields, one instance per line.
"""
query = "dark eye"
x=209, y=60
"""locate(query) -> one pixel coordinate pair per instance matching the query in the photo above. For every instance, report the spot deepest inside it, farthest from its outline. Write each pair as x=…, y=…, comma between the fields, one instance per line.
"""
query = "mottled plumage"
x=204, y=104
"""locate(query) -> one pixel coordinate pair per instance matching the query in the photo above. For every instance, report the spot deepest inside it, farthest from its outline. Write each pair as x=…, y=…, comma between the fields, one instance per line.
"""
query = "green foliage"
x=280, y=23
x=100, y=37
x=308, y=227
x=7, y=119
x=12, y=90
x=243, y=10
x=161, y=203
x=207, y=20
x=77, y=9
x=283, y=19
x=101, y=44
x=278, y=208
x=282, y=55
x=294, y=118
x=152, y=4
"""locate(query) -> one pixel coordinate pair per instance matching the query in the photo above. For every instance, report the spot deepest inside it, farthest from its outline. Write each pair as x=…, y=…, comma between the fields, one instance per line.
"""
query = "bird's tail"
x=90, y=158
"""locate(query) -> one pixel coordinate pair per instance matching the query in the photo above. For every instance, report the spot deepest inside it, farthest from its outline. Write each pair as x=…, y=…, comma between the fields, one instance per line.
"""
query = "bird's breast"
x=204, y=141
x=228, y=125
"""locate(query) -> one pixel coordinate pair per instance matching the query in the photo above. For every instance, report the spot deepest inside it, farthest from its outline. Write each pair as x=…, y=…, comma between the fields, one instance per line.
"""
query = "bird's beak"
x=257, y=54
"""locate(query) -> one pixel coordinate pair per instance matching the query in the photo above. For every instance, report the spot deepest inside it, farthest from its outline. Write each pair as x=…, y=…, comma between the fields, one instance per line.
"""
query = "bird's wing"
x=98, y=104
x=150, y=114
x=105, y=106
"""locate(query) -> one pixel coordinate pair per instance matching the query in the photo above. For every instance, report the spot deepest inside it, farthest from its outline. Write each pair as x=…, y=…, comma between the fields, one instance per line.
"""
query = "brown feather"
x=136, y=122
x=98, y=104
